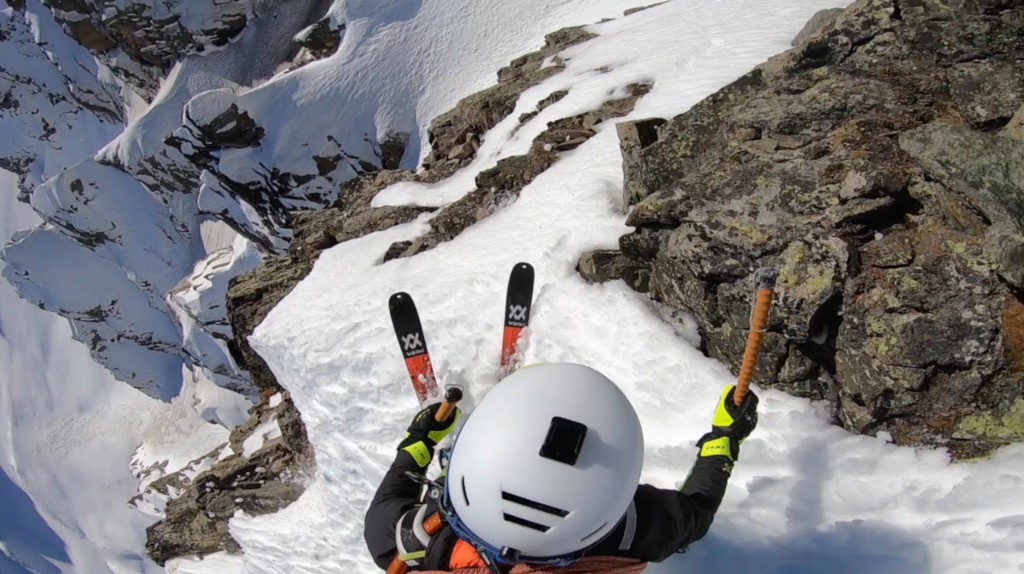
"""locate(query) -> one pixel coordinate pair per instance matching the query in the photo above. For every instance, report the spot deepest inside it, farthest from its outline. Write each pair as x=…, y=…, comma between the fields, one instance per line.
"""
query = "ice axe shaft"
x=434, y=523
x=758, y=325
x=452, y=395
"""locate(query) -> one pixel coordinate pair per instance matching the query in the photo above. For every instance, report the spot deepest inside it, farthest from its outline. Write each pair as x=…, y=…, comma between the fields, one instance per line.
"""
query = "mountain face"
x=141, y=41
x=135, y=276
x=246, y=154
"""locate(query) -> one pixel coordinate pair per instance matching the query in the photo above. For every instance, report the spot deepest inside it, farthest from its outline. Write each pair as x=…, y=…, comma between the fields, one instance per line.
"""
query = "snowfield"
x=806, y=497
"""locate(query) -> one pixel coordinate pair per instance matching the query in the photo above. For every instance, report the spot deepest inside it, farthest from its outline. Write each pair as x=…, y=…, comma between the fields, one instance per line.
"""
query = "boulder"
x=862, y=165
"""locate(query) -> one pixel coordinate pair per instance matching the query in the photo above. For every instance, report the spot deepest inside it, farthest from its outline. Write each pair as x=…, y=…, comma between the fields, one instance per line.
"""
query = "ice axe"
x=759, y=315
x=452, y=395
x=434, y=523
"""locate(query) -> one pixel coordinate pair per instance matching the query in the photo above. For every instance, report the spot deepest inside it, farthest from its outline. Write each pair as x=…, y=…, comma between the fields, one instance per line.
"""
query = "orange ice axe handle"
x=758, y=325
x=452, y=395
x=434, y=524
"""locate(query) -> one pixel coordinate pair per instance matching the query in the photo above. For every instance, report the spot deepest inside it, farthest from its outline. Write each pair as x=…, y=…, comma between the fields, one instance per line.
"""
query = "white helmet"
x=547, y=464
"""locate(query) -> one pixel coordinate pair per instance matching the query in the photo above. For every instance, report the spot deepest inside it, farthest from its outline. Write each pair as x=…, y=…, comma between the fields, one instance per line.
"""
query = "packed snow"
x=806, y=497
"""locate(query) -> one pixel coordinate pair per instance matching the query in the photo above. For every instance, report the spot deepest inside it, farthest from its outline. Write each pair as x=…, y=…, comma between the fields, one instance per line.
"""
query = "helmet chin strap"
x=492, y=566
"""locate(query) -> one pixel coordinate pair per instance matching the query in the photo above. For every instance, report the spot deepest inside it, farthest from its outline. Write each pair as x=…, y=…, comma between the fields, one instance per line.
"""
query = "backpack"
x=586, y=565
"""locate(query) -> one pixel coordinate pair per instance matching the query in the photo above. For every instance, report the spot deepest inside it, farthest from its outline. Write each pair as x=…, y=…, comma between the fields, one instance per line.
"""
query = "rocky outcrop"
x=500, y=185
x=455, y=136
x=253, y=295
x=318, y=41
x=140, y=41
x=862, y=166
x=263, y=468
x=45, y=92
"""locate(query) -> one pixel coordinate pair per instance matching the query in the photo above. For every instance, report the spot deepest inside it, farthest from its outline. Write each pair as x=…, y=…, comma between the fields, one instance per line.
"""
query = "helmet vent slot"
x=527, y=523
x=547, y=508
x=592, y=534
x=464, y=495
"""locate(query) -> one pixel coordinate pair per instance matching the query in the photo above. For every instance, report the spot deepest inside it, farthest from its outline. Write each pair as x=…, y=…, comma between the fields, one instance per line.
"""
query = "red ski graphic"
x=411, y=340
x=517, y=316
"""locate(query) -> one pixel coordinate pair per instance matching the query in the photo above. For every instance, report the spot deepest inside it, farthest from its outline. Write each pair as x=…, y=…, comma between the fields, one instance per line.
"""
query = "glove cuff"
x=721, y=446
x=719, y=443
x=421, y=451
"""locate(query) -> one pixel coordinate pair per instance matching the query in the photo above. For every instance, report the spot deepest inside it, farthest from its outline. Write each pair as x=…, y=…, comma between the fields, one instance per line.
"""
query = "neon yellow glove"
x=731, y=425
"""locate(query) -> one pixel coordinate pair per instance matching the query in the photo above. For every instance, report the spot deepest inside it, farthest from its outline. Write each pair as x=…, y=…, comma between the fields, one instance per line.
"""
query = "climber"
x=545, y=472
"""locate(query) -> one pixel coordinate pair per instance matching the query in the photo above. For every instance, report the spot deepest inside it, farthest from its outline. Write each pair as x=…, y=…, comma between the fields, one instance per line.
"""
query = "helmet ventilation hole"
x=546, y=508
x=464, y=495
x=594, y=533
x=527, y=523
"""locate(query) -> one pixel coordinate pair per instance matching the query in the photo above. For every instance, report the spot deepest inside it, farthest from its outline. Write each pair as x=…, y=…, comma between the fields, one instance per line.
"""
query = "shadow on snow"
x=27, y=544
x=813, y=545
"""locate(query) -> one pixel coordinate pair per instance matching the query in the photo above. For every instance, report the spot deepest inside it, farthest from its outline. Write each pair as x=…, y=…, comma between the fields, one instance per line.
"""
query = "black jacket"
x=665, y=520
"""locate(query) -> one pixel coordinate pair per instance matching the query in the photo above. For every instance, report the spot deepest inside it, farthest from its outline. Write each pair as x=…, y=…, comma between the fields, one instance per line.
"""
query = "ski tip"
x=398, y=298
x=522, y=269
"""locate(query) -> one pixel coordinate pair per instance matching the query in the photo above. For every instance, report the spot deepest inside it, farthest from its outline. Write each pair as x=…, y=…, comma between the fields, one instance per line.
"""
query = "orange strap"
x=465, y=556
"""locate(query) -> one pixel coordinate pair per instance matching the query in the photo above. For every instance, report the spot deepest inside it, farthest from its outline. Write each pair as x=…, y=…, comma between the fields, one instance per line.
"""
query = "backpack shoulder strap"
x=411, y=539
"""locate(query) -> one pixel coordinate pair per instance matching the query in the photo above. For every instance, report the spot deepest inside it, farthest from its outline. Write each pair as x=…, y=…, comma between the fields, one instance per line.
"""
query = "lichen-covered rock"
x=859, y=165
x=817, y=24
x=1015, y=129
x=634, y=137
x=603, y=265
x=989, y=171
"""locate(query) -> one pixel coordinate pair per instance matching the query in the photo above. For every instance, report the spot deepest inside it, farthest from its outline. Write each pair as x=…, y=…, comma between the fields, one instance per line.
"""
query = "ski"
x=413, y=343
x=518, y=300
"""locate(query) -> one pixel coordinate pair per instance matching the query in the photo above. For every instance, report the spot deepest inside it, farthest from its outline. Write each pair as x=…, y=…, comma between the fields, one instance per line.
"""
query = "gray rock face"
x=455, y=136
x=267, y=472
x=141, y=40
x=856, y=164
x=989, y=171
x=817, y=24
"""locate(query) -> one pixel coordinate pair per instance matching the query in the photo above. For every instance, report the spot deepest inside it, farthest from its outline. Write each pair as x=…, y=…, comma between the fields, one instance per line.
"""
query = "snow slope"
x=71, y=437
x=805, y=497
x=67, y=432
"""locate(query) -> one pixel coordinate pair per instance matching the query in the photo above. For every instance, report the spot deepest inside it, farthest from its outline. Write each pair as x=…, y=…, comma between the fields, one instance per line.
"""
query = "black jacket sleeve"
x=396, y=494
x=668, y=520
